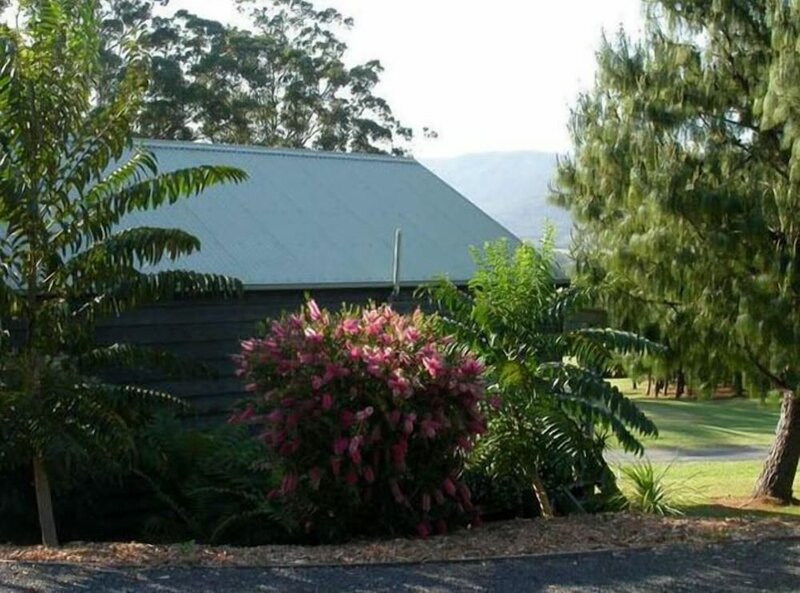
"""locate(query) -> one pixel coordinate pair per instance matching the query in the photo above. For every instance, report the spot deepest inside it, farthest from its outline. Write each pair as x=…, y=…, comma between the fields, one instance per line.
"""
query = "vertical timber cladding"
x=209, y=332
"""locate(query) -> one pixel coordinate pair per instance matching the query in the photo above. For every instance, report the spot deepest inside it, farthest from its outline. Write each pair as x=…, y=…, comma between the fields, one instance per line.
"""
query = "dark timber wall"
x=210, y=331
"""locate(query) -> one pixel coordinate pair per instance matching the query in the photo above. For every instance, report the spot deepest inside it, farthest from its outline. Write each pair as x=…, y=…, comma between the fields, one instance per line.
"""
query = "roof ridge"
x=288, y=152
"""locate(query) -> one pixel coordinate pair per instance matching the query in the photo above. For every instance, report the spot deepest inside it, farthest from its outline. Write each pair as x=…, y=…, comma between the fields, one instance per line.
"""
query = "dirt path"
x=736, y=567
x=687, y=455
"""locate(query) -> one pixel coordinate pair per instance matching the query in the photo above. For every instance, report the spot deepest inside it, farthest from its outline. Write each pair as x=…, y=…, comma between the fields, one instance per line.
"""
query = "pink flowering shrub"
x=369, y=414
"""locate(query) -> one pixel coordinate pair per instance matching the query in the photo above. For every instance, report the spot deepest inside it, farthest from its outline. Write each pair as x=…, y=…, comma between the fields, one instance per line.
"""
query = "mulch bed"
x=508, y=538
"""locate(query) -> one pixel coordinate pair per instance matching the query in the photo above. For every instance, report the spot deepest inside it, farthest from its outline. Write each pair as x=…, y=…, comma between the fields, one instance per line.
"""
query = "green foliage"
x=553, y=415
x=684, y=184
x=280, y=81
x=646, y=490
x=209, y=485
x=68, y=176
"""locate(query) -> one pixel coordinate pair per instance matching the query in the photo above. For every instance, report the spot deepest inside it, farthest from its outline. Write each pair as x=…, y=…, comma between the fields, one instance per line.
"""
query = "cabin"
x=342, y=228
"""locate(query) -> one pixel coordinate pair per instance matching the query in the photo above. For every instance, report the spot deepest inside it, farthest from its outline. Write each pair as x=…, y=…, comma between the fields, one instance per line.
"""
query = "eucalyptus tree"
x=685, y=183
x=68, y=176
x=283, y=79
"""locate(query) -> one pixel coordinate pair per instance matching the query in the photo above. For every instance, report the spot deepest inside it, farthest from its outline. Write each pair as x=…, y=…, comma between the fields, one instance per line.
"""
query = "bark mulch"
x=508, y=538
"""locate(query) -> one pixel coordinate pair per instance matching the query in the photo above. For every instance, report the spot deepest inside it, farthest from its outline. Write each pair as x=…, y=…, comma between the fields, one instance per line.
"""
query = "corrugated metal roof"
x=309, y=218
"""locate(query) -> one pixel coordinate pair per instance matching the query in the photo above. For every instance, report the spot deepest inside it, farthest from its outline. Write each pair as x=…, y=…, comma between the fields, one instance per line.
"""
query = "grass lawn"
x=707, y=424
x=719, y=489
x=713, y=488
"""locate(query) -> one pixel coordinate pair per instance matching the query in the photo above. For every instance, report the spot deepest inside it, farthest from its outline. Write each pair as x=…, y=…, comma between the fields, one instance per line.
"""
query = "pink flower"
x=355, y=444
x=471, y=367
x=423, y=530
x=398, y=495
x=327, y=401
x=351, y=478
x=248, y=413
x=350, y=327
x=449, y=487
x=464, y=444
x=395, y=417
x=429, y=428
x=315, y=477
x=336, y=465
x=412, y=335
x=365, y=413
x=399, y=452
x=275, y=416
x=314, y=336
x=408, y=423
x=346, y=419
x=355, y=457
x=477, y=427
x=433, y=364
x=317, y=383
x=289, y=484
x=399, y=384
x=369, y=474
x=496, y=402
x=340, y=445
x=314, y=311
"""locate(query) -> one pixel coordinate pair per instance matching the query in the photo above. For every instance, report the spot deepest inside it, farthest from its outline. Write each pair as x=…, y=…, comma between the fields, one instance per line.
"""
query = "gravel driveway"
x=743, y=567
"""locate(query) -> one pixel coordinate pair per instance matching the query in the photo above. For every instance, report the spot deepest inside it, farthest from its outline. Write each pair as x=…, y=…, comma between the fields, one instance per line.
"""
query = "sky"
x=488, y=76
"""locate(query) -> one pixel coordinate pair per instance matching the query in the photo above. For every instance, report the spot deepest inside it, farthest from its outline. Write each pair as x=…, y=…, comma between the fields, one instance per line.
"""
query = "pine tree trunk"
x=44, y=503
x=649, y=384
x=779, y=470
x=738, y=385
x=680, y=385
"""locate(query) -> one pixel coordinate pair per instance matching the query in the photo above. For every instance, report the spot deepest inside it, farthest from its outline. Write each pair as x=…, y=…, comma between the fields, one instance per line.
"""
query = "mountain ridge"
x=512, y=187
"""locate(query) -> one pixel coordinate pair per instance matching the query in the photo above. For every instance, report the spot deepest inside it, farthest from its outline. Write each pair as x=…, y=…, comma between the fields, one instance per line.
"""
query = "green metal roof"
x=308, y=219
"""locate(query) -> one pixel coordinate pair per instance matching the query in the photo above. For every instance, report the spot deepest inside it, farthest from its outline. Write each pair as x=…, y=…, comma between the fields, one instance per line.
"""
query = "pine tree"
x=685, y=184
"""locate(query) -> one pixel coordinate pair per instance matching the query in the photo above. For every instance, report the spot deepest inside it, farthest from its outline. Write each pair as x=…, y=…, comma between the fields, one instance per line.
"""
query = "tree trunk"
x=649, y=384
x=44, y=503
x=680, y=385
x=540, y=493
x=738, y=385
x=779, y=470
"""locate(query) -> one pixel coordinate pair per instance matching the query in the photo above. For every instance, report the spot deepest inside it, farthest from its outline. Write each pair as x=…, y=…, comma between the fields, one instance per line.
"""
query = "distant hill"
x=512, y=187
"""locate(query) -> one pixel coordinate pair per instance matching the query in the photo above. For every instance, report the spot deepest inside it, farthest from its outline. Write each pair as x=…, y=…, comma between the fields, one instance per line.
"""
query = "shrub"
x=647, y=491
x=206, y=484
x=369, y=414
x=556, y=410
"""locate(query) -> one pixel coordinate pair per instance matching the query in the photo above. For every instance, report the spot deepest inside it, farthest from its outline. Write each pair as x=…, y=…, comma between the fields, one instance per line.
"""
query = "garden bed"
x=509, y=538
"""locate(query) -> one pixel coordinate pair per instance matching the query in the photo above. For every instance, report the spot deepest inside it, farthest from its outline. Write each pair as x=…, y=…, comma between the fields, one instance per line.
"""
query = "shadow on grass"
x=741, y=510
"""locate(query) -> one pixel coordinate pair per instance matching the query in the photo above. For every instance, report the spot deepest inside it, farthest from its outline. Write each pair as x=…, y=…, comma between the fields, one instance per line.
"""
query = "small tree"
x=554, y=405
x=67, y=179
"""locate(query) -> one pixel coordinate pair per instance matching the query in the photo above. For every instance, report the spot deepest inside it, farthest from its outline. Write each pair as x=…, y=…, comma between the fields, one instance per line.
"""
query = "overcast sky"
x=492, y=75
